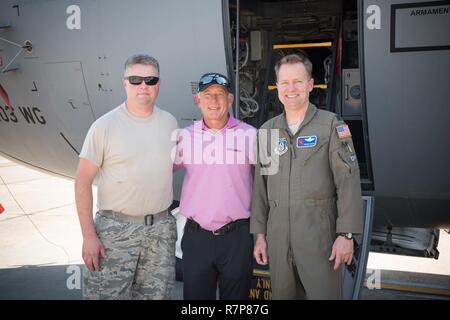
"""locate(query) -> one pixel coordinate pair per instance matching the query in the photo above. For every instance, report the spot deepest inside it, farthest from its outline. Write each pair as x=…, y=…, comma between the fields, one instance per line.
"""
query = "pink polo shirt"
x=219, y=165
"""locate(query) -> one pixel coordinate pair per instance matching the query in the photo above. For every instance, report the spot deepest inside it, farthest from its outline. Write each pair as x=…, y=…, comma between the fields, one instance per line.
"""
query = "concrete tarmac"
x=40, y=245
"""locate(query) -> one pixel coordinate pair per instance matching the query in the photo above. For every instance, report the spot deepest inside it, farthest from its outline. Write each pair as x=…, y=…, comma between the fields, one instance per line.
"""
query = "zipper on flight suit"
x=293, y=156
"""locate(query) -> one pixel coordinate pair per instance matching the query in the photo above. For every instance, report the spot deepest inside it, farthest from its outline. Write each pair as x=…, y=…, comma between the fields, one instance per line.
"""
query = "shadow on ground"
x=62, y=282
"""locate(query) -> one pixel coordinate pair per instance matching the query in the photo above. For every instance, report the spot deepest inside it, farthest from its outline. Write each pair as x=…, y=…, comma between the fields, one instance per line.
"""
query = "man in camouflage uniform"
x=306, y=196
x=130, y=249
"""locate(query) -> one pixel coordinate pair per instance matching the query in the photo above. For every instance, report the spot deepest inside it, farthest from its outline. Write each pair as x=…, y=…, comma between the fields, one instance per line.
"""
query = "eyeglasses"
x=213, y=78
x=137, y=80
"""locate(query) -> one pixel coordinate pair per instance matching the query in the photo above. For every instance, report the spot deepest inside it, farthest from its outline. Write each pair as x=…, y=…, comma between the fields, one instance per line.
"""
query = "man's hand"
x=260, y=250
x=92, y=248
x=342, y=251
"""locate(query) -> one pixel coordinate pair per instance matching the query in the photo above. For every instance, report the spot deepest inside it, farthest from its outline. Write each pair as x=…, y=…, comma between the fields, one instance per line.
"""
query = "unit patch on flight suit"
x=306, y=141
x=343, y=131
x=281, y=147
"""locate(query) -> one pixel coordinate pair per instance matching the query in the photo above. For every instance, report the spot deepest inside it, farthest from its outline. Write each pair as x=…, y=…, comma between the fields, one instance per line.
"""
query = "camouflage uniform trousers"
x=140, y=261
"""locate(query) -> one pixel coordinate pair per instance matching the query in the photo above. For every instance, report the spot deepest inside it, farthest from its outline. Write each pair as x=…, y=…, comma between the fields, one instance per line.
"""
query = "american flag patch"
x=343, y=131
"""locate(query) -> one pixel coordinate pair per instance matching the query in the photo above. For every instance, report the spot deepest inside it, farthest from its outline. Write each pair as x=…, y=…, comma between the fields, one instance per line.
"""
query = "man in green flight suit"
x=307, y=196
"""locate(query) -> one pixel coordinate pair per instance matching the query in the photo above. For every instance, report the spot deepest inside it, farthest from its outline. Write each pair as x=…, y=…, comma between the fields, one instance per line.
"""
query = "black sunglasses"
x=213, y=78
x=137, y=80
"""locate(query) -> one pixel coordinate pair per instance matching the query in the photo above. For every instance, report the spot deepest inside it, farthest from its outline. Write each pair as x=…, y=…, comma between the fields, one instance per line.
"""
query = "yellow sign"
x=261, y=287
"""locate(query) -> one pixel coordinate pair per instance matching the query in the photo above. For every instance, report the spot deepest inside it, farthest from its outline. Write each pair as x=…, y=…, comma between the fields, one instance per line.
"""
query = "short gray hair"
x=295, y=58
x=144, y=59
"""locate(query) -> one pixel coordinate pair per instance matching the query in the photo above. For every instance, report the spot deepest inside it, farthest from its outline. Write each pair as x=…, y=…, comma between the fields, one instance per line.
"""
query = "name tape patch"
x=306, y=141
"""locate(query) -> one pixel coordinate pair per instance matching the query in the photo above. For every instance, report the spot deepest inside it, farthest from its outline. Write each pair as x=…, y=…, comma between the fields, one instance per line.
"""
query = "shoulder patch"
x=343, y=131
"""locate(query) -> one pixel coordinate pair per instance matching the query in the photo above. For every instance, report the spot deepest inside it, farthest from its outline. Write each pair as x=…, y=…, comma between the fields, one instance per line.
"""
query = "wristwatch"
x=348, y=236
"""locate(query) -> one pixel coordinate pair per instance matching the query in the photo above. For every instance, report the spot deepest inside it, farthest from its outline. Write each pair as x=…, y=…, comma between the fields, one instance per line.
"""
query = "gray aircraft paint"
x=78, y=72
x=408, y=119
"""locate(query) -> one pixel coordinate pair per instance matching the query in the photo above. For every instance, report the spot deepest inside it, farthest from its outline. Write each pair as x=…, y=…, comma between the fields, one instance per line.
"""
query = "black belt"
x=225, y=229
x=148, y=220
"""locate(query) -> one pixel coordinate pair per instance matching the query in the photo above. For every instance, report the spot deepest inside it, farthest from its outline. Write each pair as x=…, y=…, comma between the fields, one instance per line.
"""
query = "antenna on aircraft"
x=28, y=46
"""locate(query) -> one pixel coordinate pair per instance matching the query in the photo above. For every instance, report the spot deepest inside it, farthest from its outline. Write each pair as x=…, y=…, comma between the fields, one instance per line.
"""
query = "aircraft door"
x=404, y=67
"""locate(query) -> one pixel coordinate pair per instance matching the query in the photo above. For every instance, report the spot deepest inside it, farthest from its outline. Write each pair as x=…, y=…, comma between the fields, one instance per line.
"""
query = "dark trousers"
x=210, y=259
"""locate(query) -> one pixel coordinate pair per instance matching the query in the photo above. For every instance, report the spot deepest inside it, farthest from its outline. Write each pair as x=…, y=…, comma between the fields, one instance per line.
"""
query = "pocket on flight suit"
x=307, y=153
x=329, y=214
x=349, y=160
x=324, y=211
x=272, y=216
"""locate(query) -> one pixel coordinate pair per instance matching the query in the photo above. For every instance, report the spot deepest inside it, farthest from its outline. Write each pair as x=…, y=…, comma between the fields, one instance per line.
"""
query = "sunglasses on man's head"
x=216, y=78
x=137, y=80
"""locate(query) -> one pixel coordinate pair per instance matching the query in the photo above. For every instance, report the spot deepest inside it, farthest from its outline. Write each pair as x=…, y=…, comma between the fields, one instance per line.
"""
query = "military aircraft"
x=382, y=65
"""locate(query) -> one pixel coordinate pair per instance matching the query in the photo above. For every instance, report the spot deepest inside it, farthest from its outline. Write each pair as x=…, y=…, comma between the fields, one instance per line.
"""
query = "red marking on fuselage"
x=5, y=98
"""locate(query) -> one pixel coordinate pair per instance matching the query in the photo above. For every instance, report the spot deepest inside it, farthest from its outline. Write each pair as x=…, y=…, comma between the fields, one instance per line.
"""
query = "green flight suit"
x=314, y=194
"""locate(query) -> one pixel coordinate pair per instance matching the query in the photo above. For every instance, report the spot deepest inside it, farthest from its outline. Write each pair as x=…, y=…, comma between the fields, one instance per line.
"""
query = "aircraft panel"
x=69, y=103
x=78, y=56
x=407, y=109
x=187, y=37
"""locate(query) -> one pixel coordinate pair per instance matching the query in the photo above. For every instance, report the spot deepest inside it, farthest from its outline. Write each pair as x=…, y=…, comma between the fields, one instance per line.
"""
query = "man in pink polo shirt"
x=217, y=153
